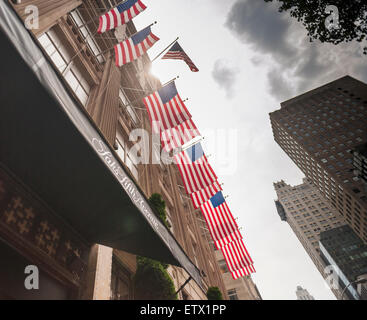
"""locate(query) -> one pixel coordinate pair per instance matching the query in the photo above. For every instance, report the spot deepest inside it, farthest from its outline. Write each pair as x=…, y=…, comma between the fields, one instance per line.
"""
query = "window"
x=232, y=294
x=121, y=282
x=63, y=61
x=125, y=103
x=223, y=266
x=121, y=149
x=131, y=163
x=87, y=35
x=128, y=158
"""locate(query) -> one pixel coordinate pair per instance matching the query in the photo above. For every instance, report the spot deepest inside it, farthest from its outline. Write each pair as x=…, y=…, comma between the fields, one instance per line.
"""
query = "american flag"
x=134, y=47
x=222, y=226
x=194, y=168
x=233, y=236
x=237, y=257
x=243, y=272
x=120, y=15
x=176, y=52
x=166, y=108
x=177, y=136
x=203, y=195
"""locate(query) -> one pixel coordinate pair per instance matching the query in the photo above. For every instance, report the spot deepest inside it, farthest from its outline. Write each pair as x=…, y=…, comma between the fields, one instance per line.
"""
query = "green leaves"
x=152, y=281
x=159, y=205
x=352, y=19
x=214, y=294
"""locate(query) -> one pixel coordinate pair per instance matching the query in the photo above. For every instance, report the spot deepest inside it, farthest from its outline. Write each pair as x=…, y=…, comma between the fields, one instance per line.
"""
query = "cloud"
x=297, y=65
x=254, y=22
x=225, y=75
x=279, y=87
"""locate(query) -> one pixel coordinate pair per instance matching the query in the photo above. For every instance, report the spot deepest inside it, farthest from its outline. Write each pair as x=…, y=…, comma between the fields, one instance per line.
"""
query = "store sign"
x=126, y=182
x=138, y=199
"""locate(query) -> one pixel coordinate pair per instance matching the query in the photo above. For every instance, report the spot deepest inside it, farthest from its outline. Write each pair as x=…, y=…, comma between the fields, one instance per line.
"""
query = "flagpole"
x=81, y=49
x=174, y=79
x=90, y=34
x=103, y=52
x=165, y=49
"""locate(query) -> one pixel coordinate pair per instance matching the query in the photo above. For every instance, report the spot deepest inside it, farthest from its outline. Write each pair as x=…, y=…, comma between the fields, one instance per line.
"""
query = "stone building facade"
x=240, y=289
x=308, y=214
x=303, y=294
x=32, y=232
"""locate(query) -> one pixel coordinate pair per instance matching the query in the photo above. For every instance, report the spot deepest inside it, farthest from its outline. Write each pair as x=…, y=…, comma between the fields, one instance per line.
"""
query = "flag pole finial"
x=172, y=80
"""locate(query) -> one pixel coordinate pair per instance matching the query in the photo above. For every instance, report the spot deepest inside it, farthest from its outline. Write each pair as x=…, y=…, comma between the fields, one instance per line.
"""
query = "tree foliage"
x=157, y=202
x=152, y=281
x=159, y=205
x=214, y=294
x=352, y=19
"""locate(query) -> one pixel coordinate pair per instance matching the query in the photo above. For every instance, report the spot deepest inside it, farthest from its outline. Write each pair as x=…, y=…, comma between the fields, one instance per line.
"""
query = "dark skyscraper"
x=318, y=130
x=345, y=251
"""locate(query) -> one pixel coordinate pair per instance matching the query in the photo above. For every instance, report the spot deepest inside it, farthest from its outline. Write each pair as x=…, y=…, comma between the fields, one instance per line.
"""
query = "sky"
x=251, y=58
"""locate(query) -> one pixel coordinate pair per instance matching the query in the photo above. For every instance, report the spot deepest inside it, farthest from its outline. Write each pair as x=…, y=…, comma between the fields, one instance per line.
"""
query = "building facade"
x=347, y=254
x=318, y=130
x=240, y=289
x=360, y=163
x=308, y=214
x=302, y=294
x=31, y=230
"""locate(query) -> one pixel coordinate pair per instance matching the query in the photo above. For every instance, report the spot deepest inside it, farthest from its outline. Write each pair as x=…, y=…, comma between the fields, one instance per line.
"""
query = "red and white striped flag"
x=166, y=108
x=177, y=136
x=134, y=47
x=120, y=15
x=243, y=272
x=203, y=195
x=236, y=256
x=177, y=53
x=234, y=236
x=194, y=168
x=222, y=226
